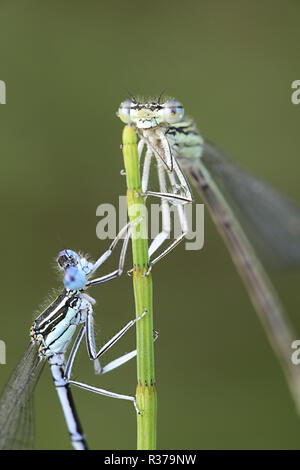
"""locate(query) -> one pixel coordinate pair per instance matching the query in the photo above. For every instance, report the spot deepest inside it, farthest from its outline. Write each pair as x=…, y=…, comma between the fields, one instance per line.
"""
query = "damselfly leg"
x=89, y=333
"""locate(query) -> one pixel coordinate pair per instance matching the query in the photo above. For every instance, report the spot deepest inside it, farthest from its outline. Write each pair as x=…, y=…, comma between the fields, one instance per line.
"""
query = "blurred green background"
x=67, y=66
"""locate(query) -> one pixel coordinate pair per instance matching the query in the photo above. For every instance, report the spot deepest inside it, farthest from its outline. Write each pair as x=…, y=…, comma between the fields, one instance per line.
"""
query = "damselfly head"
x=76, y=269
x=148, y=115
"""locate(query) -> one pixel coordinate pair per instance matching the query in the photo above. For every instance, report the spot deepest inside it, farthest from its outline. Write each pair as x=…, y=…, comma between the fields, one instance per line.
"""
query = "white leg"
x=107, y=254
x=183, y=186
x=166, y=219
x=165, y=153
x=118, y=362
x=159, y=239
x=162, y=236
x=168, y=160
x=180, y=207
x=109, y=367
x=182, y=180
x=71, y=358
x=146, y=169
x=123, y=359
x=90, y=335
x=112, y=365
x=117, y=272
x=106, y=393
x=184, y=227
x=98, y=369
x=166, y=226
x=141, y=147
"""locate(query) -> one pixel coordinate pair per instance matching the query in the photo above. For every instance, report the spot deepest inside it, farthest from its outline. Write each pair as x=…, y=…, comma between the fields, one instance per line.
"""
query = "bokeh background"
x=67, y=66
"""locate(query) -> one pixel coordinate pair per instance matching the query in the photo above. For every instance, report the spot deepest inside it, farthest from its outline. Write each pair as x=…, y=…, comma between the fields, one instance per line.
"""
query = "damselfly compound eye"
x=67, y=258
x=124, y=111
x=173, y=111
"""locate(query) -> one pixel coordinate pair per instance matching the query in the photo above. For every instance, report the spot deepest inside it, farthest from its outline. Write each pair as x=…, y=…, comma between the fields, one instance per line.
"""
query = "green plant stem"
x=146, y=387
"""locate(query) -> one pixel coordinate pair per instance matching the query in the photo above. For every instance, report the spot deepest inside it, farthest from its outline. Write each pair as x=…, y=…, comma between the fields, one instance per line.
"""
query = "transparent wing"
x=16, y=399
x=271, y=221
x=218, y=184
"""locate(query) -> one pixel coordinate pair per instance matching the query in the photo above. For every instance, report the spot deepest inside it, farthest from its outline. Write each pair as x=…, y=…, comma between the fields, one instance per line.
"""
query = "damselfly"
x=51, y=334
x=246, y=212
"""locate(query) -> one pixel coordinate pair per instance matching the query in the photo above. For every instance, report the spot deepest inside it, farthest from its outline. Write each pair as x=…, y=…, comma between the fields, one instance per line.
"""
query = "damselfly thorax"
x=185, y=140
x=54, y=328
